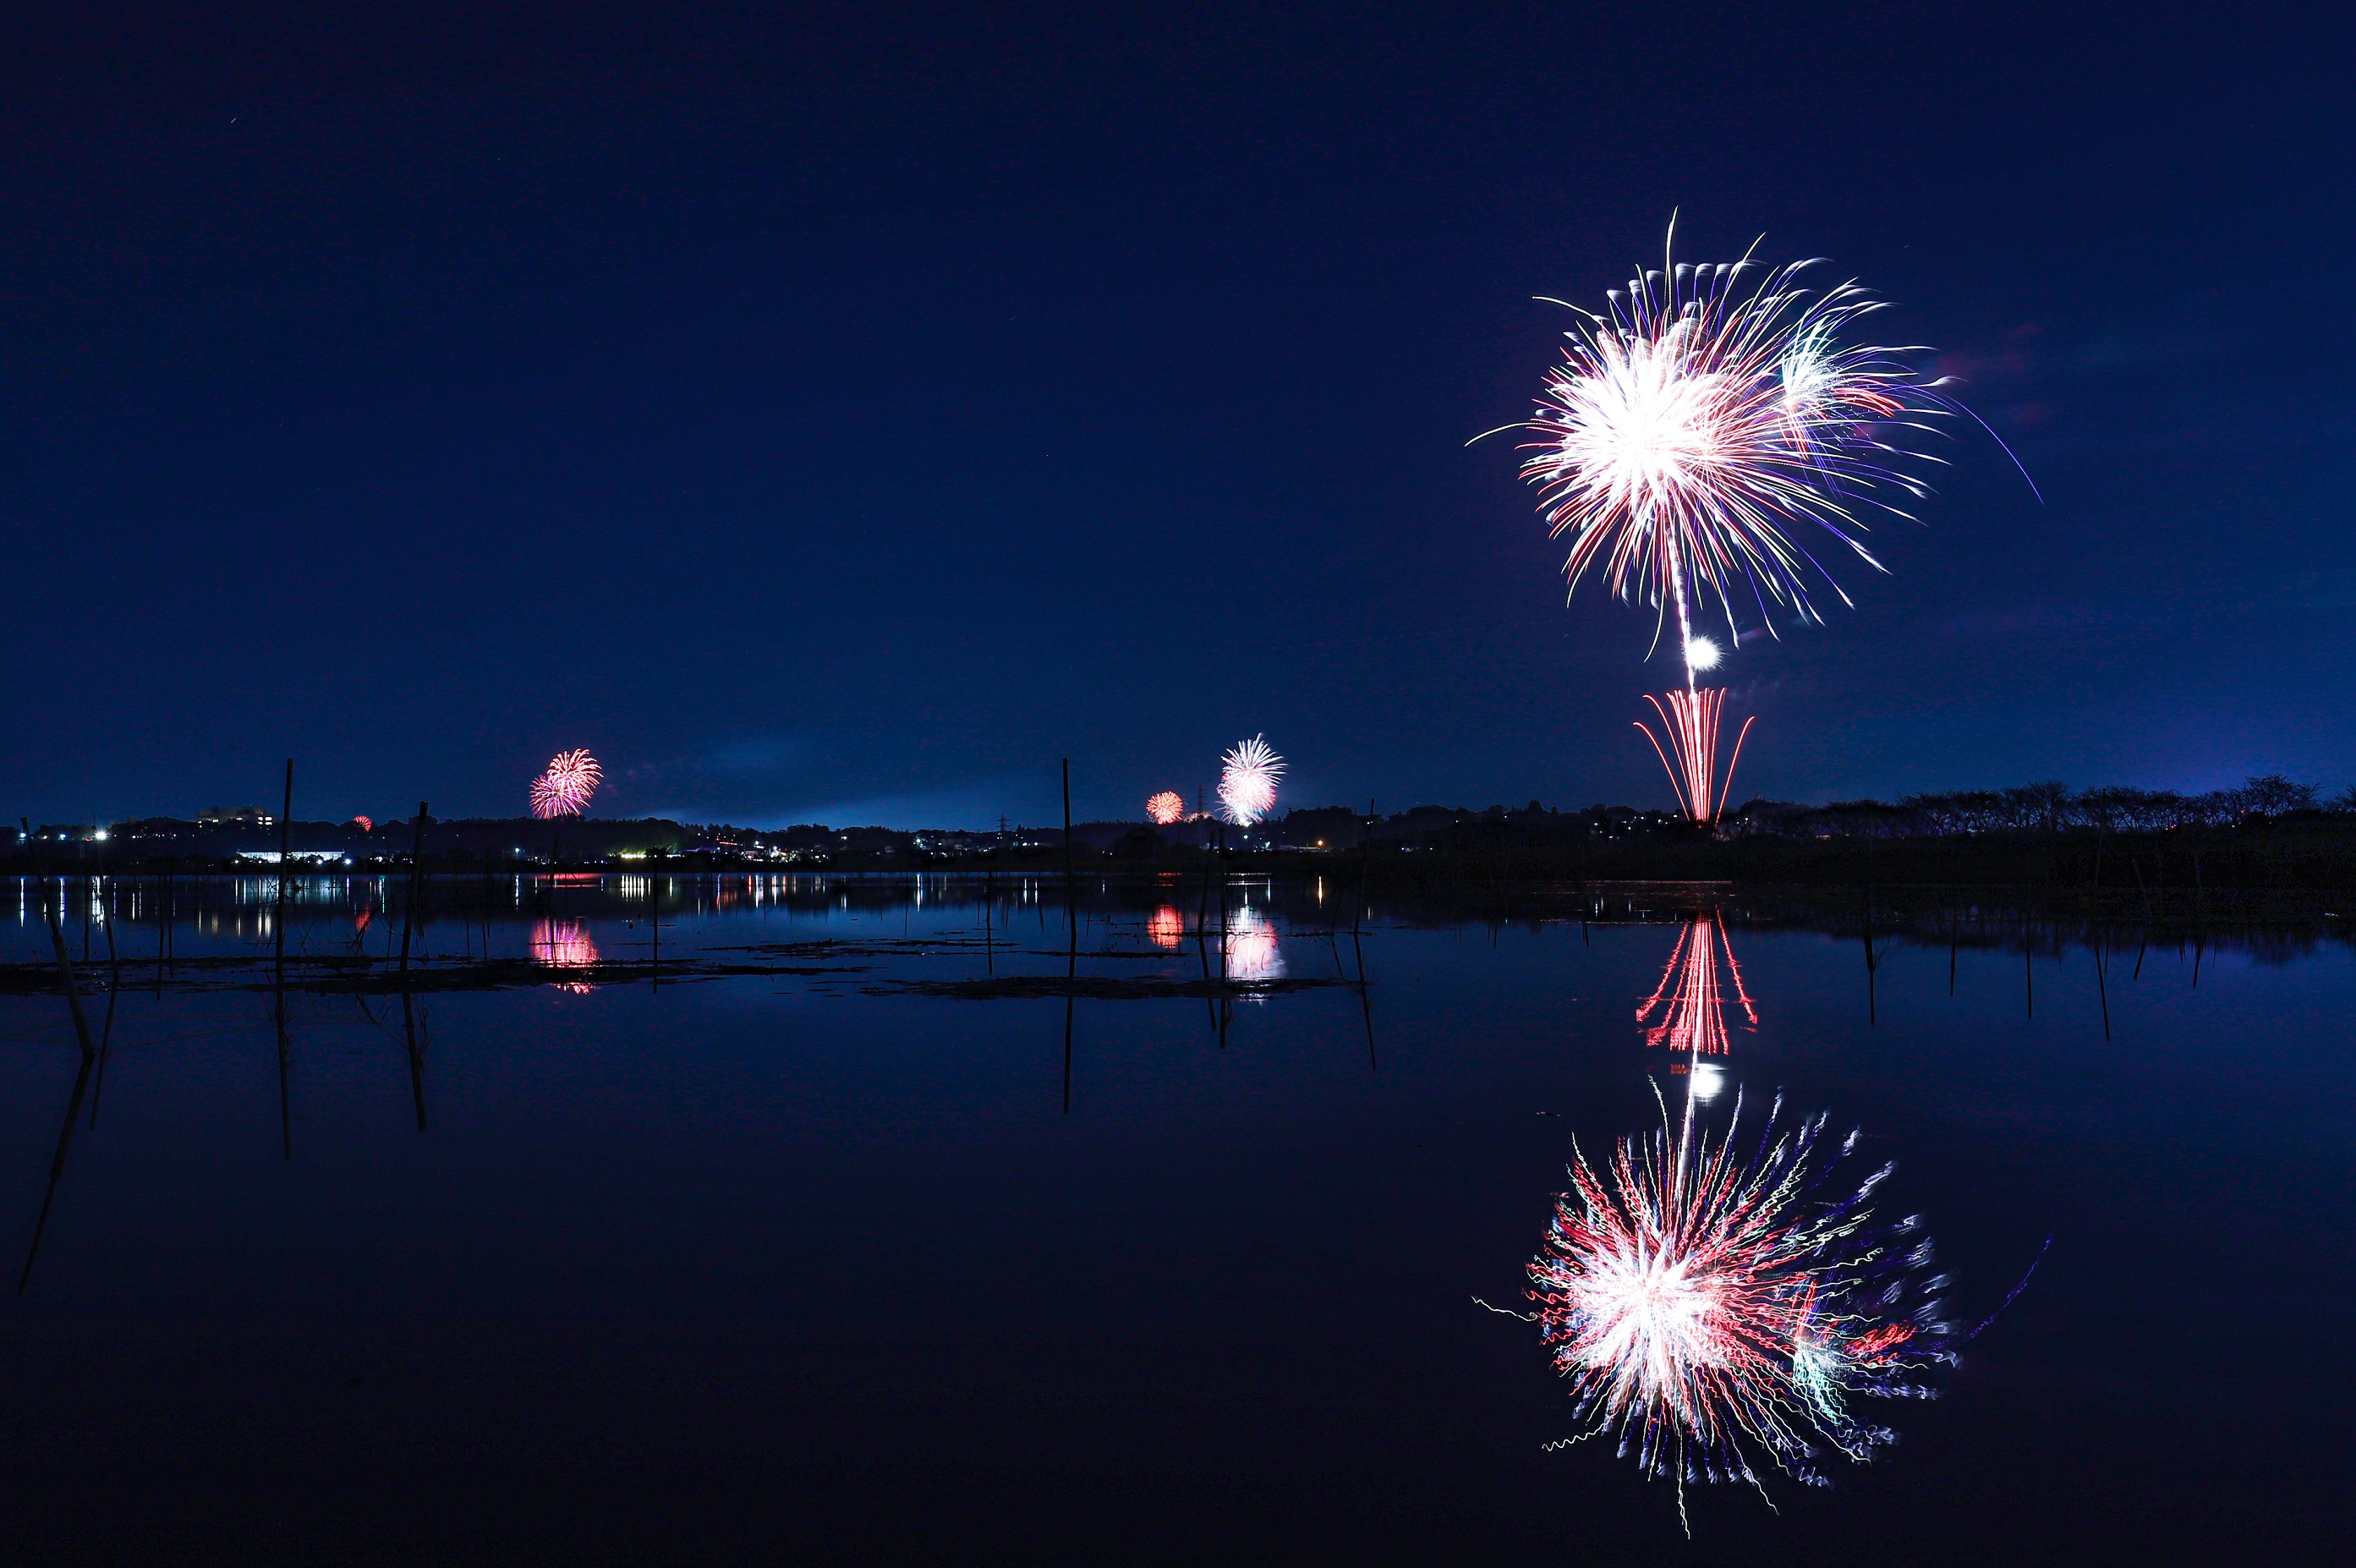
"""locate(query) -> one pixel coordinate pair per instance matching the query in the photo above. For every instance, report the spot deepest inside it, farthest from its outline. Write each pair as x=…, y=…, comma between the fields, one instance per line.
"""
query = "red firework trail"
x=1686, y=1012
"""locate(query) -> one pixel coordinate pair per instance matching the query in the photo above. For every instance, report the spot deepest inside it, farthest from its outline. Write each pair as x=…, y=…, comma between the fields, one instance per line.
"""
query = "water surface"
x=894, y=1220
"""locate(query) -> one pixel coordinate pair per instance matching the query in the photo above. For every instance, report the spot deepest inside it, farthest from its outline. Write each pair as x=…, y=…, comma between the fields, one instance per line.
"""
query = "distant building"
x=235, y=817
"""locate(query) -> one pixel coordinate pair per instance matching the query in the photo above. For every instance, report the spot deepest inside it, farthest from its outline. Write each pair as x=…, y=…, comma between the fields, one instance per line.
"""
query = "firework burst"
x=1717, y=1309
x=1705, y=411
x=1248, y=778
x=565, y=789
x=1166, y=808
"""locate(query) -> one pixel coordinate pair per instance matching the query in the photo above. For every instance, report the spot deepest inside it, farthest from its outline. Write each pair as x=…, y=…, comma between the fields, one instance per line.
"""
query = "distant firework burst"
x=1249, y=776
x=1716, y=1308
x=1166, y=808
x=565, y=789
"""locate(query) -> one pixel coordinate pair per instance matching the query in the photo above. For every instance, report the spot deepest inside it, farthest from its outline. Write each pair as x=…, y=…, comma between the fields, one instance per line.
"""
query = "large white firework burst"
x=1703, y=413
x=1248, y=778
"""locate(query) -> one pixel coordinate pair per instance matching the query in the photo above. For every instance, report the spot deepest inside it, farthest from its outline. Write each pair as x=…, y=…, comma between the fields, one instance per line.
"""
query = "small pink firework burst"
x=565, y=789
x=1165, y=808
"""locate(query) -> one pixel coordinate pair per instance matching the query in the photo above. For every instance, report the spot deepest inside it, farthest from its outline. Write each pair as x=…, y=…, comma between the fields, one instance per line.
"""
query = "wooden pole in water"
x=66, y=972
x=416, y=861
x=278, y=983
x=1871, y=966
x=416, y=1057
x=1365, y=865
x=106, y=1031
x=2100, y=991
x=285, y=830
x=1071, y=924
x=1067, y=833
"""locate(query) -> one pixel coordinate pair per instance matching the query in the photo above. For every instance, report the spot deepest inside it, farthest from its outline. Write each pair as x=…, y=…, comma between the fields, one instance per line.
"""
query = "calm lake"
x=887, y=1220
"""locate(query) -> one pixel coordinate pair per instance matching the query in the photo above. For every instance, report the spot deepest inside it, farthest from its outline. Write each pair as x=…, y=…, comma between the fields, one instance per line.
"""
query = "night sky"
x=842, y=413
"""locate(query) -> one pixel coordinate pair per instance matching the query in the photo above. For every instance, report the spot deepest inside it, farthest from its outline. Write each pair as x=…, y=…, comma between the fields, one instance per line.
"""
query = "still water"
x=852, y=1219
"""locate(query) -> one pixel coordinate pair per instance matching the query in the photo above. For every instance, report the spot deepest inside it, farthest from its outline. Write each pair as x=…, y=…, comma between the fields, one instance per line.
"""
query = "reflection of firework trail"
x=1691, y=1017
x=564, y=944
x=1248, y=780
x=1251, y=950
x=1166, y=927
x=1706, y=1306
x=565, y=789
x=1165, y=808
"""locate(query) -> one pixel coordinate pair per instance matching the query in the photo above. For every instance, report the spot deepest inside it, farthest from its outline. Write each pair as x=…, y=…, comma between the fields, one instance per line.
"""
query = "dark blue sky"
x=845, y=413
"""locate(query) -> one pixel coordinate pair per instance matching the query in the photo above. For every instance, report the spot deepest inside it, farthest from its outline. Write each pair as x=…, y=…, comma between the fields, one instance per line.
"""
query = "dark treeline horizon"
x=2045, y=806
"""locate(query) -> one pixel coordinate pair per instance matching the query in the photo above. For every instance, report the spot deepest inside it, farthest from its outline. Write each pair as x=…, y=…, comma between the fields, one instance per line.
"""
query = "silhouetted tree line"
x=2050, y=808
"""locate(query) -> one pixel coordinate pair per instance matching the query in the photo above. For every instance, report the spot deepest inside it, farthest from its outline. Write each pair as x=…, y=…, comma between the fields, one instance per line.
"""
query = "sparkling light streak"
x=1689, y=726
x=1687, y=1011
x=1721, y=1310
x=1166, y=807
x=1247, y=779
x=564, y=790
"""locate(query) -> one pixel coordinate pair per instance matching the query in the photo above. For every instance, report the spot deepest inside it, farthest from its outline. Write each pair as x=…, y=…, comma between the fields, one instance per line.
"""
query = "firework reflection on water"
x=564, y=944
x=1687, y=1011
x=1720, y=1304
x=1166, y=927
x=1251, y=950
